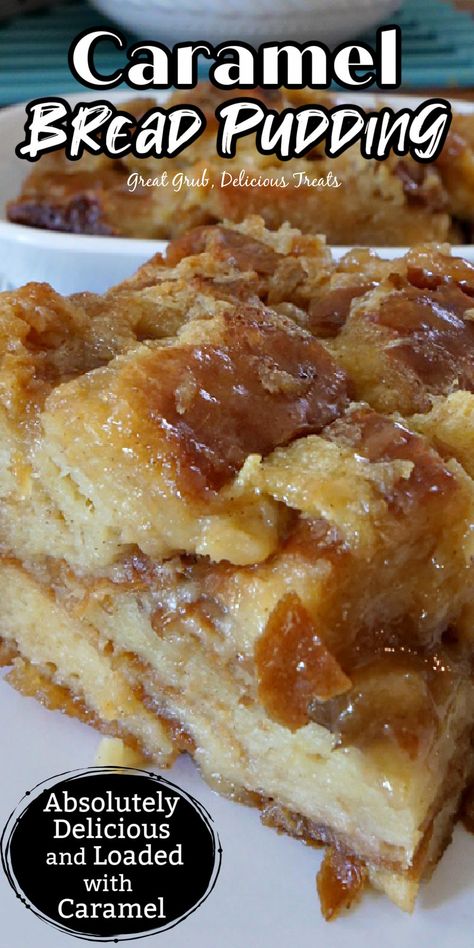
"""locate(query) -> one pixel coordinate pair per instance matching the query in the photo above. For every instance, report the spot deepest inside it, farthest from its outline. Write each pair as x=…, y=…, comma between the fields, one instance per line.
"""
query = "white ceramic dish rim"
x=121, y=246
x=134, y=246
x=165, y=6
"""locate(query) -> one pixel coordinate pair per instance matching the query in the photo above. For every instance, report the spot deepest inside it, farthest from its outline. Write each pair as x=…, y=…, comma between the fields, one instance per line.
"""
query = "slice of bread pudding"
x=236, y=519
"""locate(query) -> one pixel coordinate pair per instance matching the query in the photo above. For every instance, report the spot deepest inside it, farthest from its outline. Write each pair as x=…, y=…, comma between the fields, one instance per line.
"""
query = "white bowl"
x=75, y=262
x=169, y=21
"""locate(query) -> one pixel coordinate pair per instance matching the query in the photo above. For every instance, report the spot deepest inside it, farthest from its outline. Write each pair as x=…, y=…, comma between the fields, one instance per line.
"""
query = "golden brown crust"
x=412, y=337
x=261, y=384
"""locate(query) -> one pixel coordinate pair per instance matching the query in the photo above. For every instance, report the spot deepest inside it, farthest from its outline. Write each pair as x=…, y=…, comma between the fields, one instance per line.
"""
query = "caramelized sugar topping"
x=328, y=311
x=399, y=683
x=427, y=270
x=261, y=387
x=340, y=882
x=436, y=338
x=378, y=438
x=237, y=249
x=399, y=693
x=293, y=666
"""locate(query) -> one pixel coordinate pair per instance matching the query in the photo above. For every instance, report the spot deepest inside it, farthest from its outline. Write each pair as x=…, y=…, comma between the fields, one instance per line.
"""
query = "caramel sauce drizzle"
x=340, y=882
x=294, y=666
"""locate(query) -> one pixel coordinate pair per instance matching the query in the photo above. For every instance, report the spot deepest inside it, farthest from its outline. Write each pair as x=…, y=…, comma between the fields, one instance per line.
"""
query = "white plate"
x=73, y=262
x=265, y=894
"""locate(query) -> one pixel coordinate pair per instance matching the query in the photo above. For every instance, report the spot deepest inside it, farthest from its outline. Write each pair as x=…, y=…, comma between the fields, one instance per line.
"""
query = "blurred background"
x=438, y=35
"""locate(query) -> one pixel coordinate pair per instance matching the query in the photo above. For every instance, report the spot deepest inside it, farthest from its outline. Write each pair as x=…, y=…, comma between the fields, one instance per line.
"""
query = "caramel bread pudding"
x=236, y=520
x=396, y=202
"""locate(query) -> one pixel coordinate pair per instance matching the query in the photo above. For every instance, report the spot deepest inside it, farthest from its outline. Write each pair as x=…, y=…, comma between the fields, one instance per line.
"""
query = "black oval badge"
x=107, y=854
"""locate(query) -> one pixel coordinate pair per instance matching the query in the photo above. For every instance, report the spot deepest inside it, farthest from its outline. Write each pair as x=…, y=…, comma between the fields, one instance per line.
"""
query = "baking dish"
x=71, y=262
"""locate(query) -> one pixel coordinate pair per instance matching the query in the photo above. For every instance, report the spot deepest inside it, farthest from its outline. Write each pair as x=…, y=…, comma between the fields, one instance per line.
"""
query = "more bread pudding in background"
x=395, y=202
x=236, y=520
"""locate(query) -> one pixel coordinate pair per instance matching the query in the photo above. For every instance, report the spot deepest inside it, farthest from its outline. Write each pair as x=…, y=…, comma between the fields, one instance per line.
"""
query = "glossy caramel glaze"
x=293, y=665
x=435, y=339
x=388, y=681
x=340, y=882
x=397, y=693
x=329, y=309
x=264, y=385
x=429, y=269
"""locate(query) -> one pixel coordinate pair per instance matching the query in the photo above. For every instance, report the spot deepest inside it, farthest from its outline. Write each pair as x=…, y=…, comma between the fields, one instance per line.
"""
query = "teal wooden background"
x=438, y=48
